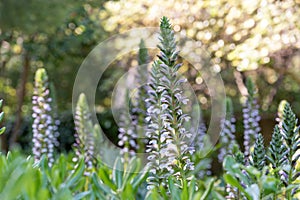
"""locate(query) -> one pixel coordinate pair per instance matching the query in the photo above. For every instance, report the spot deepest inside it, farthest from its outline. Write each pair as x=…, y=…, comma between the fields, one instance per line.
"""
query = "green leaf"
x=137, y=180
x=2, y=130
x=208, y=189
x=128, y=193
x=1, y=115
x=81, y=195
x=254, y=191
x=235, y=183
x=130, y=172
x=74, y=177
x=185, y=193
x=117, y=173
x=269, y=184
x=102, y=187
x=106, y=180
x=232, y=167
x=174, y=190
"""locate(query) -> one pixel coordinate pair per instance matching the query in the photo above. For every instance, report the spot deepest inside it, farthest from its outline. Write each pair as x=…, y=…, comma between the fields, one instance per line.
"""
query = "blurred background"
x=256, y=38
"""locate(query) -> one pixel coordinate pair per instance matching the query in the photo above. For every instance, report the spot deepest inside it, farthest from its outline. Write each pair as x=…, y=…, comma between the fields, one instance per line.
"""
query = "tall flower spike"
x=43, y=126
x=199, y=141
x=2, y=130
x=280, y=110
x=251, y=119
x=258, y=156
x=84, y=138
x=127, y=135
x=227, y=137
x=277, y=149
x=56, y=121
x=156, y=132
x=168, y=144
x=140, y=108
x=290, y=133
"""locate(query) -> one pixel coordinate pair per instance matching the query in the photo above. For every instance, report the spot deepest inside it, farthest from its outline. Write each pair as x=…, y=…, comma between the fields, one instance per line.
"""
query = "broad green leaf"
x=269, y=184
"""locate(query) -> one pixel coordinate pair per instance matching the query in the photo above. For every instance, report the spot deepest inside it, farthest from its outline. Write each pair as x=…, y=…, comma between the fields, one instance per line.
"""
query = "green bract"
x=2, y=130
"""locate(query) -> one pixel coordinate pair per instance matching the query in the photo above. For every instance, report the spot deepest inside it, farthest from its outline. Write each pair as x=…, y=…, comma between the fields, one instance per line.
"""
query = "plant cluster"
x=179, y=160
x=272, y=172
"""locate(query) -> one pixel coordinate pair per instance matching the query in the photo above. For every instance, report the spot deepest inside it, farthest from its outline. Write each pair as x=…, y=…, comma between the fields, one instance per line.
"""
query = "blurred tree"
x=35, y=34
x=261, y=35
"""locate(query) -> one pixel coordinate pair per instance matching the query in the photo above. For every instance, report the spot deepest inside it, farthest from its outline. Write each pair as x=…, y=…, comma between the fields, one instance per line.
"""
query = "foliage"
x=21, y=178
x=272, y=176
x=178, y=165
x=249, y=181
x=120, y=182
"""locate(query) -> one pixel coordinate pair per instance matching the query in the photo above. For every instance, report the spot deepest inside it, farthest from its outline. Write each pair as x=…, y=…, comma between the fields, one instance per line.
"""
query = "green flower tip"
x=281, y=108
x=165, y=23
x=250, y=86
x=82, y=99
x=41, y=75
x=97, y=128
x=142, y=44
x=229, y=106
x=143, y=53
x=286, y=107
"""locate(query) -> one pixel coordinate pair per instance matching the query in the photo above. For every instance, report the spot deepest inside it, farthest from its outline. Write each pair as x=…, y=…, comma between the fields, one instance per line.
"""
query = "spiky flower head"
x=258, y=156
x=143, y=56
x=290, y=133
x=139, y=110
x=127, y=134
x=84, y=137
x=277, y=149
x=43, y=127
x=251, y=118
x=168, y=147
x=227, y=137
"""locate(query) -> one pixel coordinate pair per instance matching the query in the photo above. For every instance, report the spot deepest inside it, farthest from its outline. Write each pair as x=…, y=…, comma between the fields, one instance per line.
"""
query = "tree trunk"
x=21, y=93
